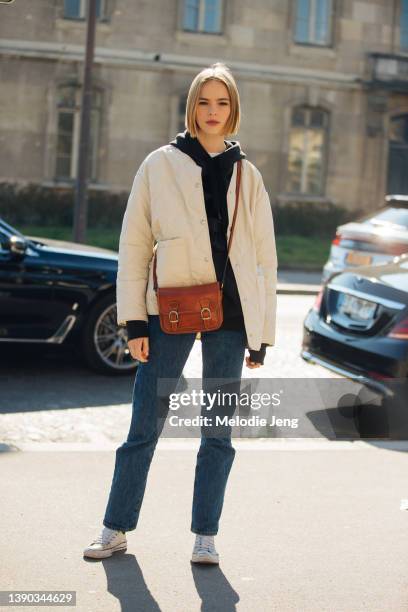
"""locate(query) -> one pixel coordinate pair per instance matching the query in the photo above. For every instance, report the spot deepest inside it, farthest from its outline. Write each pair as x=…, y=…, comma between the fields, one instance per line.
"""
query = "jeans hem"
x=199, y=532
x=117, y=527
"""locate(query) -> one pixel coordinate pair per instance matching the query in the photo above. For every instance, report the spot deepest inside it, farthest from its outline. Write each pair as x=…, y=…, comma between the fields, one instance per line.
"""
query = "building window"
x=68, y=124
x=202, y=16
x=76, y=9
x=307, y=151
x=181, y=113
x=313, y=22
x=404, y=25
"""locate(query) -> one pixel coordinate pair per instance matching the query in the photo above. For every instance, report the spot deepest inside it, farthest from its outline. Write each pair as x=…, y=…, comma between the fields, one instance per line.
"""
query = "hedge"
x=33, y=204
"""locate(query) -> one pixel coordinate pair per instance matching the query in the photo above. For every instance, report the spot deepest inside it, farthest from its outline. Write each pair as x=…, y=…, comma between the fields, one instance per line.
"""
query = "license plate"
x=356, y=308
x=358, y=259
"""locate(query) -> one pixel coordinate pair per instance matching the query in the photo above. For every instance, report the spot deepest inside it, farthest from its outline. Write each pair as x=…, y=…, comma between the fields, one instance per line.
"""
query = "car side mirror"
x=17, y=245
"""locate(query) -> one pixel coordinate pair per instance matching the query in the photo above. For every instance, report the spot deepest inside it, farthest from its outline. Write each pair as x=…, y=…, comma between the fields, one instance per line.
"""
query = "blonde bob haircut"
x=217, y=72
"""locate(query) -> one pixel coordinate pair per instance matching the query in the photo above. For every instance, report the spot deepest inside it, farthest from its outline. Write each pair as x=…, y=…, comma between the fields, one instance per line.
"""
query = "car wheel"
x=104, y=343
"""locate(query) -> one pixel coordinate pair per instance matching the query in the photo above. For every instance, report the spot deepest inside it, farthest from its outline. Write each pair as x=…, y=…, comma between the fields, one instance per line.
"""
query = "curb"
x=297, y=289
x=300, y=268
x=242, y=444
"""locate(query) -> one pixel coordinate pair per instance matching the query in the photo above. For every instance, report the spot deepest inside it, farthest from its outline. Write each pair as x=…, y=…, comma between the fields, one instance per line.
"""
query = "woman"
x=183, y=199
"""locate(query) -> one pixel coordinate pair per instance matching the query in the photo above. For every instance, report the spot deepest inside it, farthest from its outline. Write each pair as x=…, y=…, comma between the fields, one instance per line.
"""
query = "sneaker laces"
x=205, y=542
x=106, y=536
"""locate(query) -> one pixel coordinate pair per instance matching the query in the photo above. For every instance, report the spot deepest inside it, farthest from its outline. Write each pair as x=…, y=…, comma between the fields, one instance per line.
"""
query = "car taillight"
x=379, y=375
x=400, y=330
x=318, y=300
x=336, y=241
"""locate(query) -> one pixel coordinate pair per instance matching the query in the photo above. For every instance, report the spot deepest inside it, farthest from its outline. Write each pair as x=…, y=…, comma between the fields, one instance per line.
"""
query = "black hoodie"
x=216, y=176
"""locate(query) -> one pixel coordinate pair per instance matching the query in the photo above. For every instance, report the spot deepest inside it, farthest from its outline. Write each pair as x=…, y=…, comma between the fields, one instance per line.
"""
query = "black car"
x=57, y=293
x=358, y=326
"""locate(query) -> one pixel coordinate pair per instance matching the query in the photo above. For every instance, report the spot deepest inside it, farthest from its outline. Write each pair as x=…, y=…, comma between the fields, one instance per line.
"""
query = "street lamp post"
x=81, y=184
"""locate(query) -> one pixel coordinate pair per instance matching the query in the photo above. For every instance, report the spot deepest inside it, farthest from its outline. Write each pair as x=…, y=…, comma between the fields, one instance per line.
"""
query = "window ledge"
x=66, y=24
x=301, y=49
x=204, y=38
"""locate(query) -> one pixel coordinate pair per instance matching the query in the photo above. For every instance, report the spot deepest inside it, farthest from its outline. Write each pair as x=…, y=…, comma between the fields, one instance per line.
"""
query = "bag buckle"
x=209, y=311
x=177, y=317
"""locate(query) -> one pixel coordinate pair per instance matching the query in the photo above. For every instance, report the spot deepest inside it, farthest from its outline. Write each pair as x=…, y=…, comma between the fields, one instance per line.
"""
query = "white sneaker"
x=204, y=550
x=106, y=544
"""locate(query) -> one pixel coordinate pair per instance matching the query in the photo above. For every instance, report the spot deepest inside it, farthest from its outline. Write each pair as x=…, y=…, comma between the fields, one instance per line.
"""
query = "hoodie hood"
x=192, y=147
x=216, y=173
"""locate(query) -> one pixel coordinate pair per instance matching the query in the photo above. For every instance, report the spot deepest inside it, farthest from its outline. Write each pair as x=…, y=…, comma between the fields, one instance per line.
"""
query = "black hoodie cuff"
x=137, y=329
x=258, y=356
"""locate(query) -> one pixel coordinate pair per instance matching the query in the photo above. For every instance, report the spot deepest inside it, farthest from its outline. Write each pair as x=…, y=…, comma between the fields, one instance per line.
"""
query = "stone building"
x=323, y=86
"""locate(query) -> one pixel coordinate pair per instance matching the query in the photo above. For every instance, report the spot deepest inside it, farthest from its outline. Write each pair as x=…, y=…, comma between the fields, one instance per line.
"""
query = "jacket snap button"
x=197, y=184
x=202, y=221
x=205, y=258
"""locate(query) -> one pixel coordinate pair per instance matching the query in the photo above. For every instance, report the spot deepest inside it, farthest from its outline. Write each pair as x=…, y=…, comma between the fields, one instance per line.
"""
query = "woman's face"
x=213, y=105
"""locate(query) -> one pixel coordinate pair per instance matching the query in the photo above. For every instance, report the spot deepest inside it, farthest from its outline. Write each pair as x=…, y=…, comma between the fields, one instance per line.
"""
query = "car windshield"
x=11, y=230
x=396, y=217
x=8, y=229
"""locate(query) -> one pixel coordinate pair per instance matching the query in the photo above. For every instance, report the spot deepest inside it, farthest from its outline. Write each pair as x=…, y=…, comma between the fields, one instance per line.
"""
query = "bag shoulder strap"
x=238, y=185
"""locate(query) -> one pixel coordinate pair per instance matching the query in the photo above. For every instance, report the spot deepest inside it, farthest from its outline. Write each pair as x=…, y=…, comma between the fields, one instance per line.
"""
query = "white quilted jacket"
x=166, y=206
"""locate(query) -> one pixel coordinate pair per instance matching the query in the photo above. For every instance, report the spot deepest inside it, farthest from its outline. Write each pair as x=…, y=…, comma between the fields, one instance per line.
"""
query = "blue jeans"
x=223, y=353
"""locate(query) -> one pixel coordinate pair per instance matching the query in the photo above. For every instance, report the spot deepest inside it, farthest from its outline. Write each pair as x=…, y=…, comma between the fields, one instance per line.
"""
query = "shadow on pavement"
x=49, y=377
x=125, y=581
x=215, y=591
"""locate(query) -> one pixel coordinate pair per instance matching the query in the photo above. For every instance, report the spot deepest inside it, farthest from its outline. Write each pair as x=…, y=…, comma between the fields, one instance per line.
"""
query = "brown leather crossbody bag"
x=197, y=308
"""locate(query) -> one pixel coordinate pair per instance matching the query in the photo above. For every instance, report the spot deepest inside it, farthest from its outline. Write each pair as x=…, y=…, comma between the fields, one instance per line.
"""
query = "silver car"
x=374, y=239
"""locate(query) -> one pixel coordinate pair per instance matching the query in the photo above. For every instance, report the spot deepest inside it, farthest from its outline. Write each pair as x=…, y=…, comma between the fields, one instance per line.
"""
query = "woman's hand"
x=252, y=364
x=139, y=349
